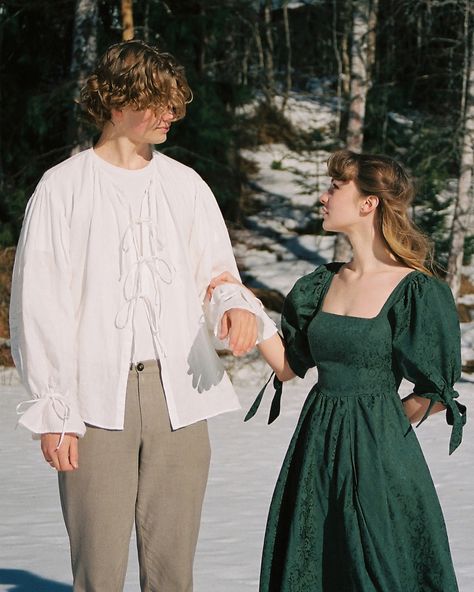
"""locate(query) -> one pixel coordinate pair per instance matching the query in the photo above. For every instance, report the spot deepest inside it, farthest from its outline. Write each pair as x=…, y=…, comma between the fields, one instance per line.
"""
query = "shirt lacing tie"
x=160, y=270
x=59, y=406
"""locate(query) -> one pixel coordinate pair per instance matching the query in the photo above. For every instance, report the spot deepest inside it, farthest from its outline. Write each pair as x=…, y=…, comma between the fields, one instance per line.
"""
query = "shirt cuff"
x=51, y=413
x=227, y=296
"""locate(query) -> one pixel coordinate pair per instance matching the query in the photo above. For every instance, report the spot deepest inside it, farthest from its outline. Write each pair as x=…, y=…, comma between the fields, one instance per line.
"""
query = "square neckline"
x=381, y=311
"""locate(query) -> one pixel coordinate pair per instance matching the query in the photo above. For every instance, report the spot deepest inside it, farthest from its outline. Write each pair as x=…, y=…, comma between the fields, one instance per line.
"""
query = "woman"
x=354, y=508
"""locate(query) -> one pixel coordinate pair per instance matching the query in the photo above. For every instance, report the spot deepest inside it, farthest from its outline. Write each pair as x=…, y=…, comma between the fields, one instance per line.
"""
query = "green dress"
x=354, y=508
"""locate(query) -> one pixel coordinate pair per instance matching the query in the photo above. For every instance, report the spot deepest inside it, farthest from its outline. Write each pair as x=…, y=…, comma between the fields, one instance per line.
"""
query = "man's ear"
x=369, y=204
x=116, y=116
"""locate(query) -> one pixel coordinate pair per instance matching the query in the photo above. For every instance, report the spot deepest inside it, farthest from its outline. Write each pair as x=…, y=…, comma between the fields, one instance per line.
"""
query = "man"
x=110, y=332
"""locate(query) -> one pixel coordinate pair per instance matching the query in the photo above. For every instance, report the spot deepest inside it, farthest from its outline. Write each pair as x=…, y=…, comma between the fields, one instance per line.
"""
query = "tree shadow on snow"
x=20, y=580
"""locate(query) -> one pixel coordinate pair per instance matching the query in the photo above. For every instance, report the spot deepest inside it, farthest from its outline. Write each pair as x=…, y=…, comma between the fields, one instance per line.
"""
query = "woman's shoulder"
x=307, y=291
x=420, y=287
x=315, y=278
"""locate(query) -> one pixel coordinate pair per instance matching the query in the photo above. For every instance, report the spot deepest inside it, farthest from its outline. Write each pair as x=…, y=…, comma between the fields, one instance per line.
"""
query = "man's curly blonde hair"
x=137, y=75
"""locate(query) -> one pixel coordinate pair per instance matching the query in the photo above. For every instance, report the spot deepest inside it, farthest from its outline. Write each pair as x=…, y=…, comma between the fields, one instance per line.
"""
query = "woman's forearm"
x=415, y=407
x=273, y=350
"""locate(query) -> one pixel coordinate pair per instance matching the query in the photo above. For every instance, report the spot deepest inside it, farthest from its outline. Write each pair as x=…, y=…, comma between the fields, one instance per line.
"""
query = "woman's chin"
x=329, y=227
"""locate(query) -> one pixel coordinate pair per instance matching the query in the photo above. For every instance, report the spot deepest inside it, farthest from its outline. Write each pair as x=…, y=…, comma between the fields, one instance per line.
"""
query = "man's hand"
x=64, y=458
x=240, y=326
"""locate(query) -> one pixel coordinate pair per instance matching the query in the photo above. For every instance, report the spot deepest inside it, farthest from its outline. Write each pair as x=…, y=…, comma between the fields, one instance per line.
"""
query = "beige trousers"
x=146, y=473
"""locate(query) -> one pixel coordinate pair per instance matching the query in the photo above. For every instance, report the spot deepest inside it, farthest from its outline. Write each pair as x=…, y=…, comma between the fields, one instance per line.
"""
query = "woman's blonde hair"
x=137, y=75
x=383, y=177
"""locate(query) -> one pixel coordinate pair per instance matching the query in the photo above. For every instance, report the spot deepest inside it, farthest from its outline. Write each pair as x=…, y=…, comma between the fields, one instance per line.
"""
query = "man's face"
x=143, y=127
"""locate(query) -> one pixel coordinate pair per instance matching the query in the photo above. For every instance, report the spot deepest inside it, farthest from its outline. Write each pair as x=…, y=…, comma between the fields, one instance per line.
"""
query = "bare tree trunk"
x=364, y=20
x=128, y=31
x=340, y=69
x=146, y=21
x=3, y=11
x=288, y=81
x=360, y=69
x=465, y=78
x=201, y=50
x=84, y=56
x=245, y=63
x=372, y=38
x=464, y=202
x=258, y=43
x=269, y=86
x=345, y=53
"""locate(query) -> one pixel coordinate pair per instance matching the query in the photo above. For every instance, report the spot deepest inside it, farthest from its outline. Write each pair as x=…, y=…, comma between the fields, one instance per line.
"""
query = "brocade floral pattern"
x=354, y=507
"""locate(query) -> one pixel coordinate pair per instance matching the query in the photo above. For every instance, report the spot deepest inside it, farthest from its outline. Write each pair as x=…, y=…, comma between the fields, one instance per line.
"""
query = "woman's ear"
x=369, y=204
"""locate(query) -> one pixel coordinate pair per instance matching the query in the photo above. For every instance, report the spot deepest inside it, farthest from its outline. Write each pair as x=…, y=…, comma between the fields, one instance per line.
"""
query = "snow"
x=276, y=247
x=296, y=177
x=245, y=463
x=467, y=341
x=400, y=119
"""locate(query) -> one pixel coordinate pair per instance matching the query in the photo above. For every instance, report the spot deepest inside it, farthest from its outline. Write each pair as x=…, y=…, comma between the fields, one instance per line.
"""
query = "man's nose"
x=169, y=114
x=324, y=197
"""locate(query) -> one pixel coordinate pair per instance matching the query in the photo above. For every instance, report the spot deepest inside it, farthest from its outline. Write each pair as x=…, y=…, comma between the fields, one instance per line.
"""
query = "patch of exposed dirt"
x=7, y=257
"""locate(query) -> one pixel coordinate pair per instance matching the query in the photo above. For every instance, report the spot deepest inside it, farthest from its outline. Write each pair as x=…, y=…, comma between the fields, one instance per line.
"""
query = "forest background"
x=399, y=73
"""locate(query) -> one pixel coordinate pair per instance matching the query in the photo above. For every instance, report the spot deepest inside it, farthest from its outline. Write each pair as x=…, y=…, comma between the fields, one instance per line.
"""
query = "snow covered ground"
x=245, y=463
x=275, y=249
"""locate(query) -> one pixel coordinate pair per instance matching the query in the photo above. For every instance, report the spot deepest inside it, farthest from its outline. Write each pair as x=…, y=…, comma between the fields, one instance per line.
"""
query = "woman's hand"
x=240, y=326
x=64, y=457
x=415, y=407
x=223, y=278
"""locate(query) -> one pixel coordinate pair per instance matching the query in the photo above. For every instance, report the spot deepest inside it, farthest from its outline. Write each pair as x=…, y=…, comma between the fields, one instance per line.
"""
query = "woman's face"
x=341, y=206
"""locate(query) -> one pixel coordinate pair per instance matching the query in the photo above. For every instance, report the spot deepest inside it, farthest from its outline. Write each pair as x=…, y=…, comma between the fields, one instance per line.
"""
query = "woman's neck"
x=370, y=253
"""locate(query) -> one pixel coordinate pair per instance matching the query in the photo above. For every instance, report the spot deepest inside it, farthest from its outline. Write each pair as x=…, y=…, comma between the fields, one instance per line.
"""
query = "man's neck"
x=122, y=152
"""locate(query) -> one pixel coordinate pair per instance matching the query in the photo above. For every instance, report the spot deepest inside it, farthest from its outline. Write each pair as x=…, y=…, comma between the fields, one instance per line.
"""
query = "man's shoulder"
x=169, y=165
x=68, y=170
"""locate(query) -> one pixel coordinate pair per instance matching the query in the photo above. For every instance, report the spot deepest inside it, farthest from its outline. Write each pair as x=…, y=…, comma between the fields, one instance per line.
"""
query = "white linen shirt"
x=133, y=186
x=77, y=279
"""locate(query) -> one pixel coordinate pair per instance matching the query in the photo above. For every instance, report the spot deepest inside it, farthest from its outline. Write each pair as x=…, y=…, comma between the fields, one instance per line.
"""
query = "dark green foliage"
x=206, y=37
x=268, y=124
x=34, y=93
x=425, y=146
x=413, y=110
x=205, y=141
x=37, y=90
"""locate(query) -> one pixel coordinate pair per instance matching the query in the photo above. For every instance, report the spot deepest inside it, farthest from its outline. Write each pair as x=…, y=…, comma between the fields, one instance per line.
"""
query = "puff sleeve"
x=426, y=347
x=299, y=309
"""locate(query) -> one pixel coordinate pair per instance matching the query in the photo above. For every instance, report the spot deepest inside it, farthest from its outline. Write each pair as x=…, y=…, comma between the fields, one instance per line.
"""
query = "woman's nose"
x=324, y=197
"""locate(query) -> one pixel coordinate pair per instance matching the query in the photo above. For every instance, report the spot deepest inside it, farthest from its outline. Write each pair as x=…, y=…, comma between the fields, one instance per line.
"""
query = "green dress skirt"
x=354, y=508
